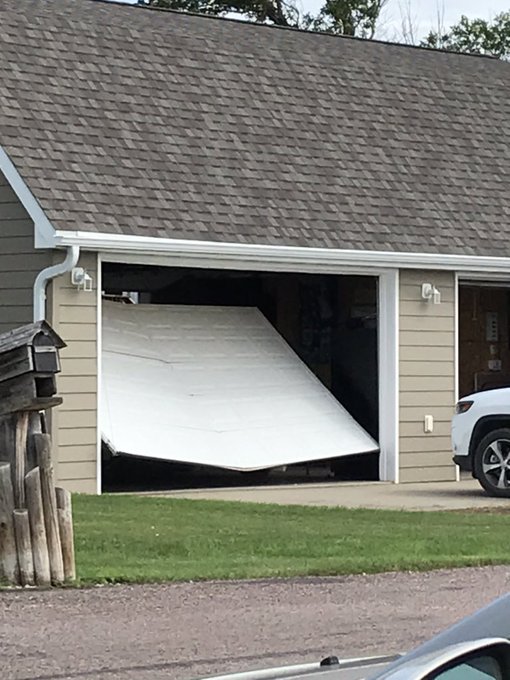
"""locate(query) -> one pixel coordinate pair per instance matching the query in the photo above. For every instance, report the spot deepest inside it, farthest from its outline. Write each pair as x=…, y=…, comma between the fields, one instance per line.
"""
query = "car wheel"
x=491, y=463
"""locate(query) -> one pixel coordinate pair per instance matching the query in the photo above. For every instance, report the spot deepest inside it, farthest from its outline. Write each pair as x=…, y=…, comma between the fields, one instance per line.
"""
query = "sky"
x=424, y=13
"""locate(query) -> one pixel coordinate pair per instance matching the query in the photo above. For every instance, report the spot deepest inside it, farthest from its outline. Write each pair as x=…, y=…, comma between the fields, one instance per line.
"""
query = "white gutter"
x=268, y=254
x=44, y=276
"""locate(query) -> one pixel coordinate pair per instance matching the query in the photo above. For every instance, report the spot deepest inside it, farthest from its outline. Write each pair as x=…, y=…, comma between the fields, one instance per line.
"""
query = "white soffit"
x=215, y=386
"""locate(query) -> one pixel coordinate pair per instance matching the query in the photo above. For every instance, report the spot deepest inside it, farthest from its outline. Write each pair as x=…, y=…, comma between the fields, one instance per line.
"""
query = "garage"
x=218, y=184
x=246, y=371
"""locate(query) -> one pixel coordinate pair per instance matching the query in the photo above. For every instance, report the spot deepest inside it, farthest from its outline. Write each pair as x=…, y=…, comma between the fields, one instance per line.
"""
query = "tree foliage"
x=475, y=36
x=348, y=17
x=275, y=11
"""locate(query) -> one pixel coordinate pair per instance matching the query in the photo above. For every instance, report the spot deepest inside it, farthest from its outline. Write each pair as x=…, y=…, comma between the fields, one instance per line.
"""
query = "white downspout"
x=44, y=276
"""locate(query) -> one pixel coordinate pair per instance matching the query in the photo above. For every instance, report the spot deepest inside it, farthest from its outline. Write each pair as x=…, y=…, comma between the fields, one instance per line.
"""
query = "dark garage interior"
x=484, y=337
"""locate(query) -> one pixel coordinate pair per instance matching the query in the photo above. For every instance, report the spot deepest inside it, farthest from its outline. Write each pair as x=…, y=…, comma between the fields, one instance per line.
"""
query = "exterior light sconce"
x=430, y=293
x=81, y=279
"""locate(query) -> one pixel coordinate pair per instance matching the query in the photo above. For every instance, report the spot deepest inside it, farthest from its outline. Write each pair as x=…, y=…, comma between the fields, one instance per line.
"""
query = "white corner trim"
x=389, y=376
x=115, y=246
x=457, y=334
x=44, y=231
x=99, y=366
x=456, y=373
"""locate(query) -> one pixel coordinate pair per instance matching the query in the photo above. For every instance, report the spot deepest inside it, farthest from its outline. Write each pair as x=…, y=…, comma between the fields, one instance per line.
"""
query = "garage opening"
x=484, y=337
x=329, y=322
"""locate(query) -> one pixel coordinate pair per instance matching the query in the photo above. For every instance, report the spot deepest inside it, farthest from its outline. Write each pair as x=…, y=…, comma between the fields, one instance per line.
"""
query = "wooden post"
x=37, y=528
x=44, y=422
x=65, y=523
x=43, y=447
x=21, y=452
x=24, y=546
x=8, y=554
x=8, y=443
x=34, y=427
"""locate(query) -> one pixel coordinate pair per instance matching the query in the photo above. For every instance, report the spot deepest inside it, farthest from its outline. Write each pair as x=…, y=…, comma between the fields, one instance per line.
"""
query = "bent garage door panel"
x=215, y=386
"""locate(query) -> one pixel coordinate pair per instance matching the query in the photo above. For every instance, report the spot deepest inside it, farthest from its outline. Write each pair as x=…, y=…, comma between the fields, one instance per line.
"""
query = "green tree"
x=349, y=17
x=475, y=36
x=275, y=11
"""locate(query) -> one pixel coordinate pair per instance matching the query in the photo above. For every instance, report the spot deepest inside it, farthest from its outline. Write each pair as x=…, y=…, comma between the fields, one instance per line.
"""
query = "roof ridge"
x=217, y=17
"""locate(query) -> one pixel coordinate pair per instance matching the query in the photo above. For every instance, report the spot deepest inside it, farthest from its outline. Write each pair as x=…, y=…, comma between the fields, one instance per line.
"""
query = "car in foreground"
x=476, y=648
x=481, y=439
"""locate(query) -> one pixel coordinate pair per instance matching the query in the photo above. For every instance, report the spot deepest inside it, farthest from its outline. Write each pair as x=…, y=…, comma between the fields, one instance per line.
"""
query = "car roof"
x=492, y=621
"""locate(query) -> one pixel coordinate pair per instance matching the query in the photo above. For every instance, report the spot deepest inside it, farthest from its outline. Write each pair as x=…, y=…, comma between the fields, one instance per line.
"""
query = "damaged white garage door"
x=215, y=386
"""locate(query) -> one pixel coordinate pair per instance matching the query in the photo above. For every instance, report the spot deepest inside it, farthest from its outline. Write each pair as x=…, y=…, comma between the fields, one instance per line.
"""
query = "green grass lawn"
x=143, y=539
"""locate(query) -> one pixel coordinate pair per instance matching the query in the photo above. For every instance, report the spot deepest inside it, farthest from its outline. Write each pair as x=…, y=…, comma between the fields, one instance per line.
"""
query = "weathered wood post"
x=21, y=455
x=34, y=427
x=37, y=528
x=65, y=524
x=24, y=547
x=8, y=556
x=49, y=499
x=31, y=549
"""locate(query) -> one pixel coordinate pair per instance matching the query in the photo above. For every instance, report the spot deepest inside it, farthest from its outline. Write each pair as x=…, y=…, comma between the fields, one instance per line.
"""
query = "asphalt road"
x=190, y=630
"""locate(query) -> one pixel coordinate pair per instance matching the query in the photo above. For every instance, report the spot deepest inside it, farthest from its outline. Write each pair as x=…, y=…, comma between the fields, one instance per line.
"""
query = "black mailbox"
x=45, y=354
x=29, y=361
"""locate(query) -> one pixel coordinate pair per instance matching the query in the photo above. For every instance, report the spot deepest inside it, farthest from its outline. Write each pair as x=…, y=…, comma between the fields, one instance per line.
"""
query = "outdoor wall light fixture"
x=81, y=279
x=430, y=293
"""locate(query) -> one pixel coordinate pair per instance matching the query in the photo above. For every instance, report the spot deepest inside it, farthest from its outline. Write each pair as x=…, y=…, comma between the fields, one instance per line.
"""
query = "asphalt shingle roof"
x=135, y=121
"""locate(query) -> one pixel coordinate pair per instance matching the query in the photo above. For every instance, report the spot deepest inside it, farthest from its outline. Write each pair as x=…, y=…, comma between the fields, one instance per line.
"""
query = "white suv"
x=481, y=439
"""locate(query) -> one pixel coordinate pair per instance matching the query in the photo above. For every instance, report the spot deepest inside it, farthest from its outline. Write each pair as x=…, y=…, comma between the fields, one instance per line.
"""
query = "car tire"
x=491, y=463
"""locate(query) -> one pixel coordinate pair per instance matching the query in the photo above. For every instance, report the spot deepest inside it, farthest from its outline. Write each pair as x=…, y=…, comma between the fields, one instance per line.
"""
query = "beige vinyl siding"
x=427, y=376
x=19, y=261
x=74, y=317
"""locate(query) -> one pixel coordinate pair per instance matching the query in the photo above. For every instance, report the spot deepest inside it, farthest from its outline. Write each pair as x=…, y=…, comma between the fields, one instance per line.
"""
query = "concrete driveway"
x=461, y=495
